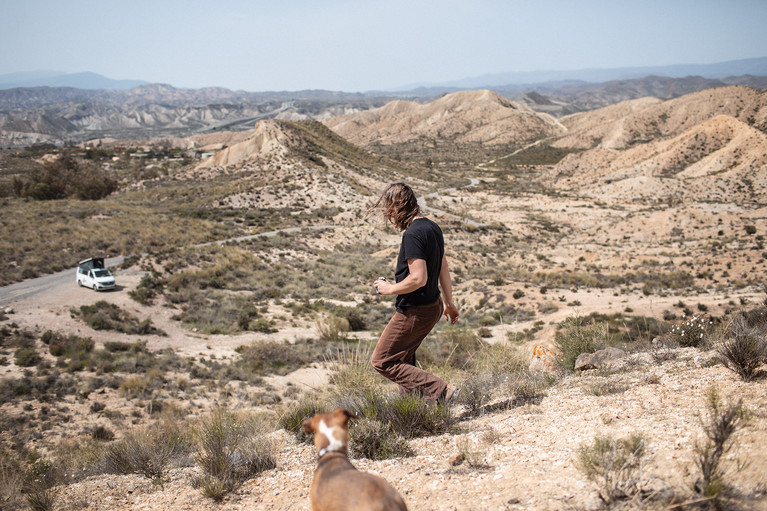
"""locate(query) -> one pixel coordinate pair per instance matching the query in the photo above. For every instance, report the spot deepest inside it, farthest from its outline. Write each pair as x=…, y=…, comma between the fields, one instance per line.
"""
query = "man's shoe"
x=451, y=394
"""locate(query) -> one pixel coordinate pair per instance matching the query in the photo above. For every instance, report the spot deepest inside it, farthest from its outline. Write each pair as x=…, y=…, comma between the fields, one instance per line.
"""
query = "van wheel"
x=94, y=287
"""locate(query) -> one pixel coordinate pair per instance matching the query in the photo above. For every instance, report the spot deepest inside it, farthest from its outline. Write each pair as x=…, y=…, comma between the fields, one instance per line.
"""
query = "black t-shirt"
x=422, y=240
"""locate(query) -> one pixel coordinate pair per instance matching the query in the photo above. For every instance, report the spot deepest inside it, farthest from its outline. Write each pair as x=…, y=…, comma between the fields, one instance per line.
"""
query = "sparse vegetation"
x=64, y=178
x=107, y=316
x=720, y=425
x=692, y=331
x=614, y=465
x=576, y=336
x=229, y=450
x=147, y=451
x=302, y=299
x=744, y=348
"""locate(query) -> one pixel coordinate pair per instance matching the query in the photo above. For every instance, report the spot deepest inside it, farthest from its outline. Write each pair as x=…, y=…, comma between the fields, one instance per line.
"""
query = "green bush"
x=103, y=315
x=408, y=415
x=375, y=440
x=333, y=328
x=245, y=316
x=26, y=357
x=692, y=331
x=64, y=178
x=744, y=349
x=613, y=465
x=147, y=451
x=722, y=422
x=575, y=337
x=274, y=357
x=293, y=418
x=148, y=289
x=229, y=451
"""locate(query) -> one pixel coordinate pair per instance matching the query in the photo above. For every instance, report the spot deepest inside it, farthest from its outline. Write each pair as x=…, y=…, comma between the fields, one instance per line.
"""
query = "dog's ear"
x=308, y=426
x=347, y=414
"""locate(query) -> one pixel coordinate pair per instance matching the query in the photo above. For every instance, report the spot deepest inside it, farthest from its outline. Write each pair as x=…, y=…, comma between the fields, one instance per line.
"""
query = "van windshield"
x=101, y=273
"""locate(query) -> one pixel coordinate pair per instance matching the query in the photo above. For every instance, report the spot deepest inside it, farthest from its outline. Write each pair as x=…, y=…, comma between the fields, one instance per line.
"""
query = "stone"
x=543, y=360
x=599, y=359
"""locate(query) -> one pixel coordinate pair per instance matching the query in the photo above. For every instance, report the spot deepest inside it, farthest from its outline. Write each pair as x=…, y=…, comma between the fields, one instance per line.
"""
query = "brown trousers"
x=394, y=355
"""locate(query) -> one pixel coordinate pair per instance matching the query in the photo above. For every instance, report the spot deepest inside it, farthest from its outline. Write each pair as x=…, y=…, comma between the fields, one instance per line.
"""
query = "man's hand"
x=451, y=313
x=382, y=286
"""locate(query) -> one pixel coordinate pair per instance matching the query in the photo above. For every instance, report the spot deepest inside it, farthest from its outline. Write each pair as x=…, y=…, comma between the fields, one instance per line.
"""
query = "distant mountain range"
x=755, y=67
x=90, y=81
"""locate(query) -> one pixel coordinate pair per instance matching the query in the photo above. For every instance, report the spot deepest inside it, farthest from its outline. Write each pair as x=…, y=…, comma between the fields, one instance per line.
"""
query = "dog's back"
x=337, y=485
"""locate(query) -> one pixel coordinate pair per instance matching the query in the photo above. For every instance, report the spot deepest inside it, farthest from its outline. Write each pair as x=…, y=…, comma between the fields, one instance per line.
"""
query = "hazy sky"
x=358, y=45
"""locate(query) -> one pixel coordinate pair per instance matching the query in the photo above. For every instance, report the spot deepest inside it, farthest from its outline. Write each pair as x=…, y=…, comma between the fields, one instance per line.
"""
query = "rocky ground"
x=523, y=458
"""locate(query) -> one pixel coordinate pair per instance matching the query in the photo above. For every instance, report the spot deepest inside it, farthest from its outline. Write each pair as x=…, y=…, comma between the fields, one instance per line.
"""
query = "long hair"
x=399, y=205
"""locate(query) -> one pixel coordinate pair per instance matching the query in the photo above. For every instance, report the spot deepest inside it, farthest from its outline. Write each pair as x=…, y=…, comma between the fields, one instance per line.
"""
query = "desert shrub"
x=73, y=352
x=102, y=434
x=63, y=178
x=39, y=497
x=526, y=385
x=147, y=451
x=408, y=414
x=628, y=329
x=743, y=349
x=121, y=347
x=245, y=316
x=78, y=458
x=575, y=337
x=453, y=347
x=148, y=289
x=103, y=315
x=721, y=423
x=612, y=465
x=375, y=440
x=39, y=479
x=500, y=371
x=11, y=478
x=351, y=371
x=274, y=357
x=756, y=317
x=135, y=385
x=26, y=356
x=354, y=317
x=332, y=328
x=229, y=451
x=692, y=331
x=477, y=390
x=470, y=454
x=292, y=419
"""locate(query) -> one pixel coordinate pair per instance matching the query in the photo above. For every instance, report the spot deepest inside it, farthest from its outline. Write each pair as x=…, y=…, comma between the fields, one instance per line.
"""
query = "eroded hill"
x=481, y=117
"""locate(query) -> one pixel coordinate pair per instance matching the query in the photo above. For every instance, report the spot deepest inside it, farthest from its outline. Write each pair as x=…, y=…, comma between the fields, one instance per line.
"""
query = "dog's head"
x=331, y=430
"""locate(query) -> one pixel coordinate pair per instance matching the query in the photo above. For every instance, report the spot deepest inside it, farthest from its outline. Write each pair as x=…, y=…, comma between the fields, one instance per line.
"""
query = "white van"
x=92, y=273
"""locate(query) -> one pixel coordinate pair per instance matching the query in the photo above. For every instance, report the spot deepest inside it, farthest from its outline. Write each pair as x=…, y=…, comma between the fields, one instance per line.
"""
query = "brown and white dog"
x=337, y=485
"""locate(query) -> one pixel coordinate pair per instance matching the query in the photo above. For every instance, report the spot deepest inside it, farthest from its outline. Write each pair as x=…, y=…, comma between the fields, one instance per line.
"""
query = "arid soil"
x=525, y=457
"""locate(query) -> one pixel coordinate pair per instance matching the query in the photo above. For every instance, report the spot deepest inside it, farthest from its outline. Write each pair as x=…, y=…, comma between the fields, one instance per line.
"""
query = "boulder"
x=599, y=359
x=543, y=360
